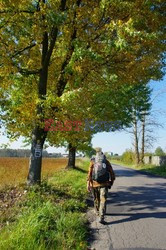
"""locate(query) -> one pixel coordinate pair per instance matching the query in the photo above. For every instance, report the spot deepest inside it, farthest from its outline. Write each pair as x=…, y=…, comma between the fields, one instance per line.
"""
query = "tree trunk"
x=38, y=138
x=72, y=156
x=38, y=134
x=143, y=140
x=136, y=142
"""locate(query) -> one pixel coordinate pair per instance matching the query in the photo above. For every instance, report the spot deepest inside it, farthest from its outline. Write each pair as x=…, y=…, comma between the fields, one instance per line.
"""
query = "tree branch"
x=27, y=72
x=53, y=36
x=22, y=50
x=62, y=82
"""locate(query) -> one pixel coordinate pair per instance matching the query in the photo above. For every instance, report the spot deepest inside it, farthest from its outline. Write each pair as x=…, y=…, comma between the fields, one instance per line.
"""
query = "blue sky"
x=118, y=142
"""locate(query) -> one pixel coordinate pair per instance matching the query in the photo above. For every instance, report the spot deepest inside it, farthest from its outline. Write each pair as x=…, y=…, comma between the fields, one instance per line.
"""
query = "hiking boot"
x=101, y=220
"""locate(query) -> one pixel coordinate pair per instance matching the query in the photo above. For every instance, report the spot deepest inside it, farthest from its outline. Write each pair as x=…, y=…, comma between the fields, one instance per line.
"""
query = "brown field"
x=14, y=171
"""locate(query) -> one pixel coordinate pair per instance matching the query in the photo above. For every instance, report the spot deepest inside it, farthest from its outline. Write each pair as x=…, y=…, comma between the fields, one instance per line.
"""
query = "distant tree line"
x=25, y=153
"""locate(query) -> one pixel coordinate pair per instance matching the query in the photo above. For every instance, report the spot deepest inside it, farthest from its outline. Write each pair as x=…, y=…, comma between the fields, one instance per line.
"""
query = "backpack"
x=100, y=170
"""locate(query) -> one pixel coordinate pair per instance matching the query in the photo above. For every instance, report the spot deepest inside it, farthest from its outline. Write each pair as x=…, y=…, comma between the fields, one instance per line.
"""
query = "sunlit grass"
x=157, y=170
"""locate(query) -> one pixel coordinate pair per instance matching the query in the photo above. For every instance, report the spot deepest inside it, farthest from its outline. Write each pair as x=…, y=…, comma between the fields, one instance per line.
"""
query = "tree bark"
x=143, y=140
x=38, y=134
x=72, y=156
x=38, y=138
x=137, y=156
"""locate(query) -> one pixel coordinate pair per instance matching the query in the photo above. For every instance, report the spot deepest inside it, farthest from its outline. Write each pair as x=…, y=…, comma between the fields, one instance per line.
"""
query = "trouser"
x=100, y=197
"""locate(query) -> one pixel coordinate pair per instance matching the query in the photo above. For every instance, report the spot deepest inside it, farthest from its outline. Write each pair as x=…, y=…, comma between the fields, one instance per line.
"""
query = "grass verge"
x=156, y=170
x=51, y=216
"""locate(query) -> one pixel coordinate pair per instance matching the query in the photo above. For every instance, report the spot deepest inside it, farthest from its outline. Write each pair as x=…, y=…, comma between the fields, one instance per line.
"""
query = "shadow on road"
x=134, y=202
x=137, y=216
x=146, y=197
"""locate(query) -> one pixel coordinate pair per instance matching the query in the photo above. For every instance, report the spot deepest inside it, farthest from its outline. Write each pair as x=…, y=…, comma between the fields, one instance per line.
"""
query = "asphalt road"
x=136, y=213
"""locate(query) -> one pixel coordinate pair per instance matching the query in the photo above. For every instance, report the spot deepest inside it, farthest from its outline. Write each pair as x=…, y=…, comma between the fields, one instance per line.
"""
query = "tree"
x=148, y=131
x=140, y=104
x=144, y=122
x=147, y=126
x=50, y=47
x=159, y=151
x=143, y=119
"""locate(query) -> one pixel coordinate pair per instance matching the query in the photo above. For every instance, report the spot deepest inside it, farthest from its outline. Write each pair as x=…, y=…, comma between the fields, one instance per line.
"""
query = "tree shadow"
x=125, y=172
x=81, y=170
x=135, y=216
x=135, y=200
x=149, y=196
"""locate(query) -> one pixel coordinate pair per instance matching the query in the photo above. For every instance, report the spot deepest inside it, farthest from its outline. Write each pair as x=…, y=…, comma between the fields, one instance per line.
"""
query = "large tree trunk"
x=137, y=157
x=38, y=134
x=72, y=156
x=143, y=140
x=38, y=138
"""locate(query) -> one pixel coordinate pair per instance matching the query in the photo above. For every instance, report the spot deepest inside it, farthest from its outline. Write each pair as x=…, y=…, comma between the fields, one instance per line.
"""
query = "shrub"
x=128, y=156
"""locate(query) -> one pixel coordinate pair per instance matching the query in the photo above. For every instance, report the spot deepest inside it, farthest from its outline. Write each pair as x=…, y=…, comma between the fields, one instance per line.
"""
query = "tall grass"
x=45, y=227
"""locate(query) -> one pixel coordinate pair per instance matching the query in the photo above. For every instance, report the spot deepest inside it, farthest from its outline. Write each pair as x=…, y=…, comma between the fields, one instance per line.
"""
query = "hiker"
x=100, y=177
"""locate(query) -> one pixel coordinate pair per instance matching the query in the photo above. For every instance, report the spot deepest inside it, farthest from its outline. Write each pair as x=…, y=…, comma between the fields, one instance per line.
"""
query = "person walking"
x=100, y=178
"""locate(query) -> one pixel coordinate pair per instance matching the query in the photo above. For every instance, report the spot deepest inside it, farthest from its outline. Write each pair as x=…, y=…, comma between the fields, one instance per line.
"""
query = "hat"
x=98, y=149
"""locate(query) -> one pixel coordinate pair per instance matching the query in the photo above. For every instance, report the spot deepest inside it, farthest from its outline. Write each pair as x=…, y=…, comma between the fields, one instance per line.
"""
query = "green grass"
x=156, y=170
x=51, y=216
